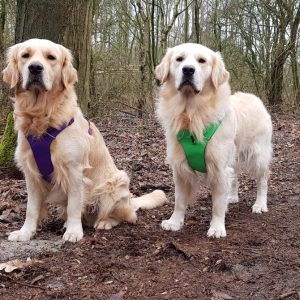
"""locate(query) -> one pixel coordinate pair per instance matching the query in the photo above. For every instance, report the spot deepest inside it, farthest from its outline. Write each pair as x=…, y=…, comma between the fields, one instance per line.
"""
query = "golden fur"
x=195, y=92
x=86, y=183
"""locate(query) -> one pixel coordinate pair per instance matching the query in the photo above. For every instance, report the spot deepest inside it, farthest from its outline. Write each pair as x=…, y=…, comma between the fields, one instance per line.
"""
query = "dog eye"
x=180, y=58
x=25, y=55
x=201, y=60
x=51, y=57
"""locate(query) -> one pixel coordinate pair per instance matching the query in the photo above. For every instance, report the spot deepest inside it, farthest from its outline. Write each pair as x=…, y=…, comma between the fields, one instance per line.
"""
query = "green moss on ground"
x=8, y=143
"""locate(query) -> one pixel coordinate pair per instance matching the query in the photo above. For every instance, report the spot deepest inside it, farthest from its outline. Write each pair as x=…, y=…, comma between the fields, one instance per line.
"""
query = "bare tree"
x=65, y=22
x=69, y=25
x=3, y=8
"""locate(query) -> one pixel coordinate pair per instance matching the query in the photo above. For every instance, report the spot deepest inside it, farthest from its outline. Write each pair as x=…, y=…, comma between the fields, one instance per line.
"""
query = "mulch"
x=259, y=258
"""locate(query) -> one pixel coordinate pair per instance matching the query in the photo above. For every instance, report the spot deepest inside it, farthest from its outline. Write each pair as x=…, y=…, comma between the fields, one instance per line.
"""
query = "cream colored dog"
x=195, y=92
x=85, y=180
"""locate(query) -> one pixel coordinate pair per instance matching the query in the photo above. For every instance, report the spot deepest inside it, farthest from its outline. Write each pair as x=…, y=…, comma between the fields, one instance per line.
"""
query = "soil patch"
x=259, y=259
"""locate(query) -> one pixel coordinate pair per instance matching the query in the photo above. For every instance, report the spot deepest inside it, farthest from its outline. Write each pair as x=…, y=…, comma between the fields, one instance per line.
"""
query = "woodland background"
x=117, y=44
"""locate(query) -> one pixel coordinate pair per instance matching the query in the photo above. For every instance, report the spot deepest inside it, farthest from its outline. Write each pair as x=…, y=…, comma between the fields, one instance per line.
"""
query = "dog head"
x=190, y=67
x=39, y=64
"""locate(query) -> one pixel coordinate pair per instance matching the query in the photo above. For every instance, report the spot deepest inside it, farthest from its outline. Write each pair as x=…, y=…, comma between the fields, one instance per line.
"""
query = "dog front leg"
x=183, y=196
x=220, y=192
x=34, y=202
x=74, y=231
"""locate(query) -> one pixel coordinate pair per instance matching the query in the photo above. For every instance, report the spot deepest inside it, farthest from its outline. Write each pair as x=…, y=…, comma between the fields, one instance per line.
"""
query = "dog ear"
x=162, y=70
x=69, y=73
x=219, y=73
x=11, y=72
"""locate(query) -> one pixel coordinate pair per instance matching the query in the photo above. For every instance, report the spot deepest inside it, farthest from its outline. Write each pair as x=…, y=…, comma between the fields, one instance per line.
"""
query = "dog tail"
x=149, y=201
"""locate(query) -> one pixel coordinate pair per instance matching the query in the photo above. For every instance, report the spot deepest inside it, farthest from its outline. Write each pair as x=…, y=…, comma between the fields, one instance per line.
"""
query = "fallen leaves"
x=257, y=259
x=220, y=296
x=12, y=189
x=17, y=264
x=8, y=215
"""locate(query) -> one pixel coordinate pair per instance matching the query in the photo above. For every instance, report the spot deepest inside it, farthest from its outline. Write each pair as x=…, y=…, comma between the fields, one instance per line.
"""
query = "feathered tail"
x=149, y=201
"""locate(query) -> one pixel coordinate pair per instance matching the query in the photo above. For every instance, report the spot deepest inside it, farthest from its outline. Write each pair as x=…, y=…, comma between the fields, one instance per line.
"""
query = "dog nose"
x=35, y=68
x=188, y=70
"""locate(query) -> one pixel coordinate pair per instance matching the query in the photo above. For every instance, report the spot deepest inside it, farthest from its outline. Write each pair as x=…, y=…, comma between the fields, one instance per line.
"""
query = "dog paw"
x=171, y=225
x=216, y=231
x=73, y=235
x=20, y=235
x=106, y=224
x=259, y=208
x=233, y=199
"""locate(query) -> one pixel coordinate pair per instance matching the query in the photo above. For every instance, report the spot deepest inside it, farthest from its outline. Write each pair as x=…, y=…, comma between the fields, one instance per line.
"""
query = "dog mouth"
x=35, y=82
x=188, y=85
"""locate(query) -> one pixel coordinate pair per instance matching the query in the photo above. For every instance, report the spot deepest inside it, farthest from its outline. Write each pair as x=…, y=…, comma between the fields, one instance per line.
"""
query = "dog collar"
x=195, y=149
x=40, y=147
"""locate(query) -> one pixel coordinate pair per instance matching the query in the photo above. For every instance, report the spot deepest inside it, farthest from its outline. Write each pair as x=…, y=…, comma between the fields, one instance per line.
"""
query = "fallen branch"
x=285, y=295
x=24, y=284
x=125, y=104
x=126, y=112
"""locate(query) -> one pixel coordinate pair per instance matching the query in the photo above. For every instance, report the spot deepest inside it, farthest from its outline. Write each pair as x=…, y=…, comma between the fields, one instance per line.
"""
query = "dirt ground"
x=259, y=258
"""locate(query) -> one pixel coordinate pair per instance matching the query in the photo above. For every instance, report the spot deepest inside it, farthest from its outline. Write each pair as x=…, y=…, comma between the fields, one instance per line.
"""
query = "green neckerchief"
x=195, y=149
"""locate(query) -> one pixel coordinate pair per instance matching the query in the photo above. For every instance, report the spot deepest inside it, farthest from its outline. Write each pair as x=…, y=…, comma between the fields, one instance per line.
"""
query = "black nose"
x=188, y=70
x=35, y=68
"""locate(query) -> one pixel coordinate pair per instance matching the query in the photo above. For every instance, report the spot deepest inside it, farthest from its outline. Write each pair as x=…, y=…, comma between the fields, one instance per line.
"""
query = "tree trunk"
x=5, y=102
x=275, y=92
x=143, y=59
x=196, y=21
x=296, y=79
x=284, y=49
x=77, y=37
x=153, y=44
x=65, y=22
x=293, y=47
x=186, y=23
x=2, y=25
x=217, y=26
x=8, y=143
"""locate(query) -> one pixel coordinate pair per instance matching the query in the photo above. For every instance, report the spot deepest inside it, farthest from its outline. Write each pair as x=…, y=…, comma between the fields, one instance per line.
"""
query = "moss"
x=8, y=143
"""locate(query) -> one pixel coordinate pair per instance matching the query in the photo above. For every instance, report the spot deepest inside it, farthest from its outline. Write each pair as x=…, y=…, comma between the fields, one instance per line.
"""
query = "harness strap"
x=40, y=147
x=195, y=149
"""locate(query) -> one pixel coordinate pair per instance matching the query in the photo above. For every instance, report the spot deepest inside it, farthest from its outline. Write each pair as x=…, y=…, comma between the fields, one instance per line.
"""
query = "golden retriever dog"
x=195, y=93
x=83, y=178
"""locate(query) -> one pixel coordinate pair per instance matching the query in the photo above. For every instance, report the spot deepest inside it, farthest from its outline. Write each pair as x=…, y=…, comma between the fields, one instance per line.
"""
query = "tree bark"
x=2, y=25
x=77, y=37
x=296, y=79
x=196, y=21
x=186, y=23
x=65, y=22
x=284, y=49
x=8, y=143
x=275, y=92
x=143, y=57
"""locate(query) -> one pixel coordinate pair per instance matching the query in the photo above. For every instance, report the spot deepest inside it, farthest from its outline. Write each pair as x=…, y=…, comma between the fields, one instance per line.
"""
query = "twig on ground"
x=285, y=295
x=21, y=283
x=125, y=104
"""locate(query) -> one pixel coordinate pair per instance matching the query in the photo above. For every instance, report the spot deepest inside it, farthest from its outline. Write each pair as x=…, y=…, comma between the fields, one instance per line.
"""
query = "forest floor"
x=259, y=258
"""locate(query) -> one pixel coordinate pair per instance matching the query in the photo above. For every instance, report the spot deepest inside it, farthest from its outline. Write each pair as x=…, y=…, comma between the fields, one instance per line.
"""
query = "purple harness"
x=41, y=148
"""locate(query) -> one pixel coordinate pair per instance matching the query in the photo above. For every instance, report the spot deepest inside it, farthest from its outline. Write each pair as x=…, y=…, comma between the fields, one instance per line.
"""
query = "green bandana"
x=195, y=149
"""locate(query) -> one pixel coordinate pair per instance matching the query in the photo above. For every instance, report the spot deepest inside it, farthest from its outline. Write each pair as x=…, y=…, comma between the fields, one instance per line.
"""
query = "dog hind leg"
x=234, y=193
x=260, y=204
